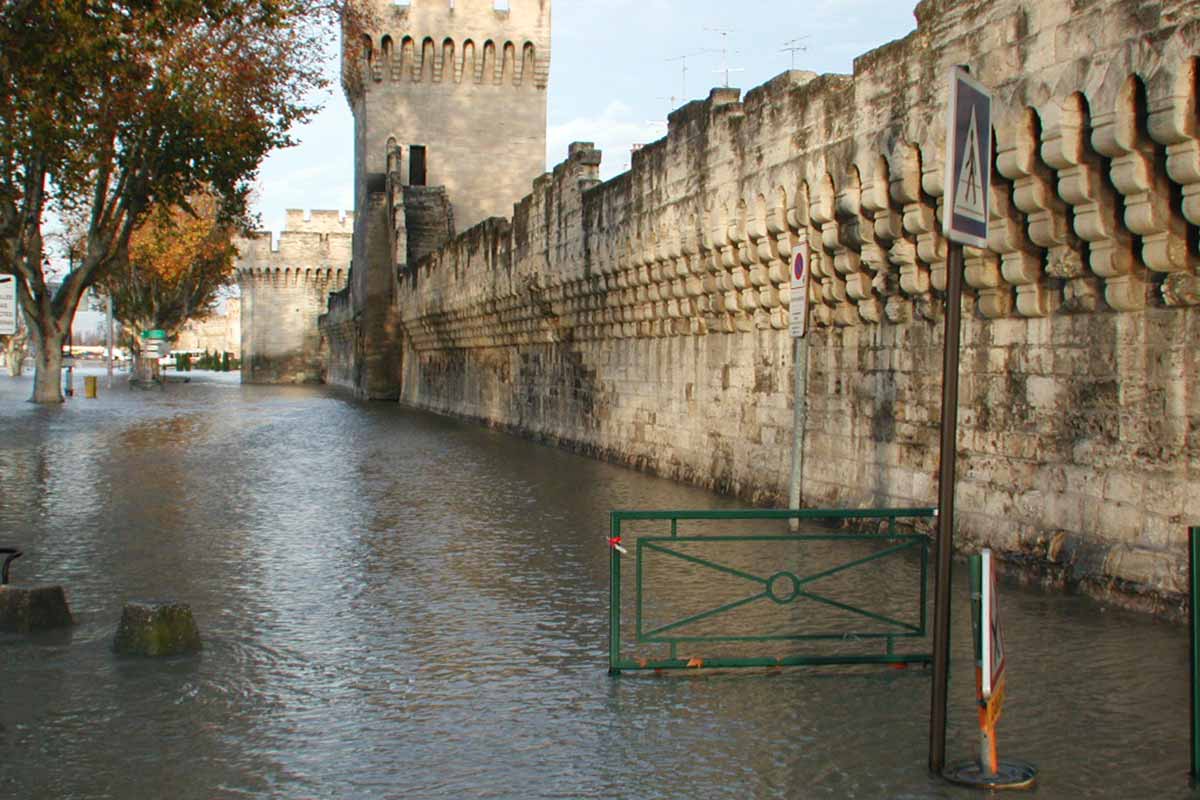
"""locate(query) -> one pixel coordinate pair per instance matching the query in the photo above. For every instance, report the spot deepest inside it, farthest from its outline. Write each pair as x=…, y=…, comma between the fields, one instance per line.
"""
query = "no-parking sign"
x=798, y=302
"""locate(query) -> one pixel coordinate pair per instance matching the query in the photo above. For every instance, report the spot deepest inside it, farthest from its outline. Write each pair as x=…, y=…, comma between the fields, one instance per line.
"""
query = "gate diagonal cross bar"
x=782, y=587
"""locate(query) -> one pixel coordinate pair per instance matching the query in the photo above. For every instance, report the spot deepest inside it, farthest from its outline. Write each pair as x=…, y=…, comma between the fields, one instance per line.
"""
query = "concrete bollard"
x=156, y=628
x=28, y=609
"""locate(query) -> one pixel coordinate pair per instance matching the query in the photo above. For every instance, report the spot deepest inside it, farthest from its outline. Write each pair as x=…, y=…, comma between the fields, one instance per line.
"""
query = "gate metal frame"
x=901, y=542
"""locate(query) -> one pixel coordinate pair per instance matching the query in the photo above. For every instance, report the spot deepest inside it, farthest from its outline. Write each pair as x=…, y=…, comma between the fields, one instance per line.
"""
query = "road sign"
x=8, y=305
x=154, y=334
x=992, y=657
x=968, y=172
x=798, y=302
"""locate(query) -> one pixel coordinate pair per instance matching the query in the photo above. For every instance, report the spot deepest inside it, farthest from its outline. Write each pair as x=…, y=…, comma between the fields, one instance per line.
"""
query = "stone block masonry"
x=285, y=287
x=644, y=319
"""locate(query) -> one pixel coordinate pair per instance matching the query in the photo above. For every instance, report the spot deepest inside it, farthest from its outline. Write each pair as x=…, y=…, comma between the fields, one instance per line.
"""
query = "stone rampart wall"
x=644, y=319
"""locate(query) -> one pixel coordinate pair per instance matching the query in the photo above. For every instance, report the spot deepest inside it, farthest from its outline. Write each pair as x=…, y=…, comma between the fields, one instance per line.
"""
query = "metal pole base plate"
x=1009, y=775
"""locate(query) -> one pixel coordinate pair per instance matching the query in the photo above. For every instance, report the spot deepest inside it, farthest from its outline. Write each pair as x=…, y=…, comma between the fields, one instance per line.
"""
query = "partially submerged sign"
x=798, y=296
x=968, y=172
x=8, y=305
x=992, y=641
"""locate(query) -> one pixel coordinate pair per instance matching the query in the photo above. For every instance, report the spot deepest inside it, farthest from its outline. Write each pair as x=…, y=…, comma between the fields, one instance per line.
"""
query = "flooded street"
x=397, y=605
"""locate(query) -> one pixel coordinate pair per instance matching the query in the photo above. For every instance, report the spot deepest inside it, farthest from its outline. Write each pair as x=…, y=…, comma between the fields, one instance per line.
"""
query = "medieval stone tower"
x=449, y=103
x=453, y=94
x=285, y=287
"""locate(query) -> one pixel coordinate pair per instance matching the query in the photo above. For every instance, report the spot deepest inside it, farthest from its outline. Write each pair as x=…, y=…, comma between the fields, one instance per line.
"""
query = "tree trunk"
x=47, y=375
x=48, y=331
x=15, y=355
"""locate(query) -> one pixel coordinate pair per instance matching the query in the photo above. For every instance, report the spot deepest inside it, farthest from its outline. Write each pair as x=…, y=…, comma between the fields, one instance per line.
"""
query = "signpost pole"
x=967, y=186
x=109, y=310
x=798, y=327
x=945, y=526
x=1194, y=640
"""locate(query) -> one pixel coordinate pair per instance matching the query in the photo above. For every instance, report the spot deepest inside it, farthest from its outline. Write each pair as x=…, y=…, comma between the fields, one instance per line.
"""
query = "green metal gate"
x=768, y=589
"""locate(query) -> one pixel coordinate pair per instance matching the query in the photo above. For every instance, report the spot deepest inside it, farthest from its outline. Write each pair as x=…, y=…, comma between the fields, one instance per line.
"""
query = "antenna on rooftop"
x=725, y=52
x=793, y=46
x=684, y=71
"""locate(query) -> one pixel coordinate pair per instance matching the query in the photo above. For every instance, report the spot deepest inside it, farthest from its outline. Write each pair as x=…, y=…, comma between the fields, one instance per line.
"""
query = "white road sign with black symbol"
x=968, y=160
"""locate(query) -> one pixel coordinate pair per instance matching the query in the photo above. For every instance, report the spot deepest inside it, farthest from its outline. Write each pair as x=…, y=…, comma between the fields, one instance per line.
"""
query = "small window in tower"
x=416, y=165
x=501, y=5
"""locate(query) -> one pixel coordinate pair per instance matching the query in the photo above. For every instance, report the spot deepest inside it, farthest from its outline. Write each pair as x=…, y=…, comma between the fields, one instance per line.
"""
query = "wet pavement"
x=397, y=605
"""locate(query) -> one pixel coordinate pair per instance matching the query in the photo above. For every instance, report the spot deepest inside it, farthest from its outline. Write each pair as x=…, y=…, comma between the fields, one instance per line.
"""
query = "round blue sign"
x=798, y=266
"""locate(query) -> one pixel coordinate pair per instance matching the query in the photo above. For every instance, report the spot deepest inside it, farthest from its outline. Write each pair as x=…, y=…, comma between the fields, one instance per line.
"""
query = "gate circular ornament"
x=777, y=582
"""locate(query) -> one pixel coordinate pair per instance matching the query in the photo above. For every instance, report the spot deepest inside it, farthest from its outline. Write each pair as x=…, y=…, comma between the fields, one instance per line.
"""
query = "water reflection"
x=398, y=605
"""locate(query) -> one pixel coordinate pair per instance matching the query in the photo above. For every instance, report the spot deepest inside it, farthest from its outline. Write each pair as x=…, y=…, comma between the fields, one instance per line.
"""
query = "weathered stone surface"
x=156, y=628
x=644, y=319
x=27, y=609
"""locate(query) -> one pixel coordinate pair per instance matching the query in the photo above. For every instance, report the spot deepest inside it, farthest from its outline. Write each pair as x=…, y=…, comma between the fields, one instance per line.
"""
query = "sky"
x=616, y=71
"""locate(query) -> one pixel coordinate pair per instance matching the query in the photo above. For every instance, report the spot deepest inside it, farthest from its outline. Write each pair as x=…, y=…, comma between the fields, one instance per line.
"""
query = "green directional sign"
x=154, y=334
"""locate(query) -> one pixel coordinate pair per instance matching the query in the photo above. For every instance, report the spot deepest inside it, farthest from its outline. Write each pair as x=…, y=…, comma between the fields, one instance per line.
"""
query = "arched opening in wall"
x=408, y=57
x=528, y=63
x=489, y=61
x=509, y=65
x=468, y=60
x=416, y=165
x=367, y=49
x=449, y=65
x=427, y=65
x=385, y=47
x=393, y=155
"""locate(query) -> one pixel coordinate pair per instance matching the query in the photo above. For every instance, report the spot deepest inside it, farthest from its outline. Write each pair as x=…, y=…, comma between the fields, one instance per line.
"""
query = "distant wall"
x=285, y=287
x=644, y=319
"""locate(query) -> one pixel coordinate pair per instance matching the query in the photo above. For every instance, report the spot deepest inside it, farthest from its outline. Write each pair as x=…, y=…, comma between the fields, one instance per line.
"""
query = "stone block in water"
x=156, y=628
x=27, y=609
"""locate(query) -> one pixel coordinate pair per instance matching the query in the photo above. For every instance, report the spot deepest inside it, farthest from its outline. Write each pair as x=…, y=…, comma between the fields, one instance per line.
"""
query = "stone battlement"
x=464, y=42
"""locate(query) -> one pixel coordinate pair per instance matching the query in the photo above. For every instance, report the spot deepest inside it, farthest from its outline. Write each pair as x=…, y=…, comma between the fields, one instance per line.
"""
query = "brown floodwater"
x=397, y=605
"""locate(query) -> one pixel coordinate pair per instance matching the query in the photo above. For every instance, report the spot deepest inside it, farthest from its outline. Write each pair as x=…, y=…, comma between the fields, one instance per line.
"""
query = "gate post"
x=614, y=594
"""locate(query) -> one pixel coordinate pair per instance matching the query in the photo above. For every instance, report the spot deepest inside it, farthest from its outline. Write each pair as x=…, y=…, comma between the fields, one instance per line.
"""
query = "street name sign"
x=8, y=305
x=968, y=172
x=798, y=295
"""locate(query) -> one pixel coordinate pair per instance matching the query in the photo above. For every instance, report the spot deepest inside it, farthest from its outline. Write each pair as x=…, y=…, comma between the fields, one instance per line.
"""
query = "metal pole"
x=799, y=425
x=110, y=339
x=614, y=596
x=1194, y=637
x=945, y=528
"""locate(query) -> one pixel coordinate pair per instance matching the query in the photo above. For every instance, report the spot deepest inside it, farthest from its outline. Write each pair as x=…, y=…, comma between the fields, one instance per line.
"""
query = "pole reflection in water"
x=399, y=605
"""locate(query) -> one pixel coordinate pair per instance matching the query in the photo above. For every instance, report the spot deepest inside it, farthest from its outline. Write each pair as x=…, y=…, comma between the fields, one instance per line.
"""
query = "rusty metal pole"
x=945, y=525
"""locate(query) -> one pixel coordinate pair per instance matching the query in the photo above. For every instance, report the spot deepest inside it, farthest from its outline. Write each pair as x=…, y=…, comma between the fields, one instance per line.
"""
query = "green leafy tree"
x=109, y=108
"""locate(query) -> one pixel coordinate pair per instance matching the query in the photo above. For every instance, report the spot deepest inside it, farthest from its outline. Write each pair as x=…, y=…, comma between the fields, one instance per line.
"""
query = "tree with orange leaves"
x=179, y=261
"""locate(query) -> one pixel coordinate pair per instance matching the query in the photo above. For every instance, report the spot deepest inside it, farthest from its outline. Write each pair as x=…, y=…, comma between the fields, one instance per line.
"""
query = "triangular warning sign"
x=968, y=190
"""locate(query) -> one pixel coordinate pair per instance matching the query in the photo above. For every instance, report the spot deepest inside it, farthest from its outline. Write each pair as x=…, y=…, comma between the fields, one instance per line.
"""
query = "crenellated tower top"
x=452, y=93
x=485, y=42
